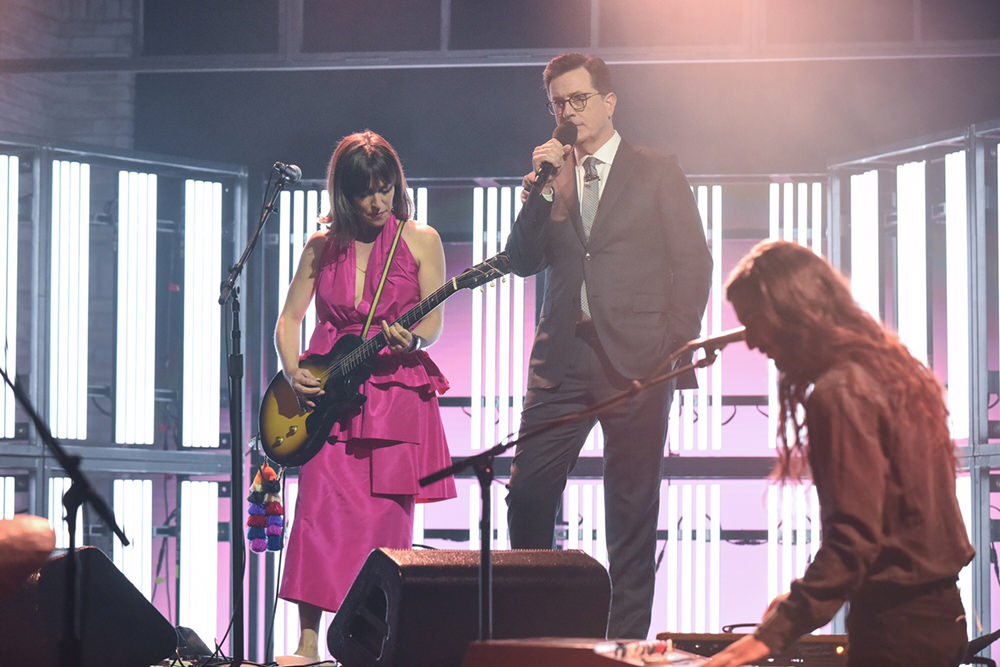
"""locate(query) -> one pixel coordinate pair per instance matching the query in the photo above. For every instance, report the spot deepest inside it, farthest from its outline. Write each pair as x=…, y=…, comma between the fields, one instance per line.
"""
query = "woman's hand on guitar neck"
x=306, y=387
x=400, y=339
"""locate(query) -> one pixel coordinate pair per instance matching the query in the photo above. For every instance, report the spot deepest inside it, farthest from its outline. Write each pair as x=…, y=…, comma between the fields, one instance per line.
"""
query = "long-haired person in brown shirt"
x=868, y=423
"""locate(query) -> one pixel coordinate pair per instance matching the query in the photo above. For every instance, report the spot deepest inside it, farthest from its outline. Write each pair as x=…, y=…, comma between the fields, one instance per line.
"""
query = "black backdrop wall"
x=720, y=118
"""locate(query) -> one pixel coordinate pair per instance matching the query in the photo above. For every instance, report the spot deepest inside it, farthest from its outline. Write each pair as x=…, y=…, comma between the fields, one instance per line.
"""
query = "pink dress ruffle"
x=357, y=494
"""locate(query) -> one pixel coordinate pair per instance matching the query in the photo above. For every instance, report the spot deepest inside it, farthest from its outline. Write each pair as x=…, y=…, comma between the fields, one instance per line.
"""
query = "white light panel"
x=793, y=534
x=133, y=508
x=6, y=497
x=693, y=565
x=136, y=309
x=963, y=490
x=865, y=283
x=957, y=277
x=715, y=308
x=298, y=219
x=198, y=569
x=9, y=190
x=911, y=257
x=69, y=299
x=497, y=354
x=202, y=314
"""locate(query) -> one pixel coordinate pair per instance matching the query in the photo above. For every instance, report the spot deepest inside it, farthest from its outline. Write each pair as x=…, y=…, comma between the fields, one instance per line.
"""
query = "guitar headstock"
x=495, y=267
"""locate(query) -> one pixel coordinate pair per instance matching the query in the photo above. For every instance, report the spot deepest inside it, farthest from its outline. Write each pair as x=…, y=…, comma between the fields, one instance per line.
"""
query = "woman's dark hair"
x=362, y=161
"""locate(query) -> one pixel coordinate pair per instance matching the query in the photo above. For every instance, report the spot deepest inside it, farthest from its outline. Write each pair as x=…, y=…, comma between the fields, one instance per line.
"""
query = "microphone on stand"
x=715, y=343
x=289, y=173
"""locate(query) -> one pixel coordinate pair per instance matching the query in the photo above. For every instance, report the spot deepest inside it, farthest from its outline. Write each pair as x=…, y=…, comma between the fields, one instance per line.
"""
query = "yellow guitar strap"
x=381, y=282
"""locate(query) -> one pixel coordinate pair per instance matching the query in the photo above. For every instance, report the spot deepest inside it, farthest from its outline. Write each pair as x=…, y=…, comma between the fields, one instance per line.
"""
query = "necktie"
x=588, y=209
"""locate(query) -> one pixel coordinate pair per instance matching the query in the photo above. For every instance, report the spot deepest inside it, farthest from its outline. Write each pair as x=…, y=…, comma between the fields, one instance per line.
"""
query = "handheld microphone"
x=288, y=172
x=565, y=133
x=716, y=342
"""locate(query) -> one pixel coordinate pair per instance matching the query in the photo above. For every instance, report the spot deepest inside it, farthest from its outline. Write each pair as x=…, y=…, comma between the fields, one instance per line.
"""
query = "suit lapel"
x=618, y=178
x=568, y=199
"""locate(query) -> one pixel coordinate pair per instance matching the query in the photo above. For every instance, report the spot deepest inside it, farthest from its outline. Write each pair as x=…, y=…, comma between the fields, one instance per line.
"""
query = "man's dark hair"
x=600, y=75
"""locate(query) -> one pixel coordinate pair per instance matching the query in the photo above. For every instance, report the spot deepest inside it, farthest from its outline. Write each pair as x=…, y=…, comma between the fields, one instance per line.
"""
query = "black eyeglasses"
x=578, y=102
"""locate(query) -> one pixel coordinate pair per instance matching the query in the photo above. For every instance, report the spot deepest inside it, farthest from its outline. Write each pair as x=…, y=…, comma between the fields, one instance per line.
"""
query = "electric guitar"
x=291, y=434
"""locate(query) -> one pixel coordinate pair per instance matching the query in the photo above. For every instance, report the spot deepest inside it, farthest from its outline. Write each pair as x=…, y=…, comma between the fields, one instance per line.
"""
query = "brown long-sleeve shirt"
x=887, y=496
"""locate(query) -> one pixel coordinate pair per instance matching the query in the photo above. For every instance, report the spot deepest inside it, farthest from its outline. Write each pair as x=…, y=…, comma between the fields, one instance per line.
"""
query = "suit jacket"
x=646, y=263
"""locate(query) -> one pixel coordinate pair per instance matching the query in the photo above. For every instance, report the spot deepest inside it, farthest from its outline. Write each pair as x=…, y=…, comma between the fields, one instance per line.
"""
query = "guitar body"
x=291, y=434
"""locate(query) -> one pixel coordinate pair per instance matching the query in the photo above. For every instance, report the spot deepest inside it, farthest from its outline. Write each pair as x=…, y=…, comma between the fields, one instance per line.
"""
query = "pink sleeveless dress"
x=358, y=493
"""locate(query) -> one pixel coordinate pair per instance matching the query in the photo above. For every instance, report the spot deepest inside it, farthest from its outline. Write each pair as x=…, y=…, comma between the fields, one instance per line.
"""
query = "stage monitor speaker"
x=422, y=607
x=118, y=627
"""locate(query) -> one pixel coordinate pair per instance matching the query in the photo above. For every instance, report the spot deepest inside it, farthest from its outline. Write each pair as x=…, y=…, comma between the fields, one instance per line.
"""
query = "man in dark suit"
x=627, y=275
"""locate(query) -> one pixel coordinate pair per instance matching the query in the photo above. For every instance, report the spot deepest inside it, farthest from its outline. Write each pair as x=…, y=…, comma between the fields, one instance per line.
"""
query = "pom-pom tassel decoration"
x=265, y=514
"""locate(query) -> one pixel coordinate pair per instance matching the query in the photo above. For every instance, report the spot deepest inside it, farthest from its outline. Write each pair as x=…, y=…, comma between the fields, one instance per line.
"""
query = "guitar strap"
x=381, y=282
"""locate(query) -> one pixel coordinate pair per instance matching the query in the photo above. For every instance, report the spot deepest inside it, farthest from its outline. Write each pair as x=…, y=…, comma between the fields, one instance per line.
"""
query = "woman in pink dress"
x=358, y=493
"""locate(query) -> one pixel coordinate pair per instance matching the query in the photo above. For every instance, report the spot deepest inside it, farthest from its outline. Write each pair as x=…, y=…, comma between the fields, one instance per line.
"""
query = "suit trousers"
x=635, y=432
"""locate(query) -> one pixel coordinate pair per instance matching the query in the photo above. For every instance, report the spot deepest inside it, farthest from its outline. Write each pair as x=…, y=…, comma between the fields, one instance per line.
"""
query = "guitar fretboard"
x=357, y=357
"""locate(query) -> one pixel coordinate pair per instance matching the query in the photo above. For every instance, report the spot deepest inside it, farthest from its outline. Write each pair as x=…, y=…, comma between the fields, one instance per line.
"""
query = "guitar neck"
x=373, y=345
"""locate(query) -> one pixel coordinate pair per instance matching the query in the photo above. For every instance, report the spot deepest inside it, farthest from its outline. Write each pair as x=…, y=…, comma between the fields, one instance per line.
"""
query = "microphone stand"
x=80, y=491
x=482, y=463
x=229, y=291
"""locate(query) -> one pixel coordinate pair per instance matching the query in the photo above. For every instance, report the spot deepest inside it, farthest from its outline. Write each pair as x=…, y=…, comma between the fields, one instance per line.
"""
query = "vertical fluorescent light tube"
x=133, y=507
x=673, y=543
x=817, y=218
x=865, y=283
x=815, y=523
x=588, y=516
x=773, y=564
x=802, y=215
x=571, y=501
x=476, y=374
x=6, y=497
x=421, y=205
x=774, y=230
x=311, y=224
x=715, y=557
x=788, y=212
x=302, y=228
x=286, y=621
x=9, y=190
x=502, y=289
x=199, y=557
x=490, y=326
x=202, y=316
x=957, y=278
x=787, y=538
x=286, y=254
x=963, y=491
x=517, y=330
x=801, y=530
x=69, y=299
x=701, y=563
x=911, y=259
x=687, y=565
x=136, y=309
x=716, y=307
x=474, y=506
x=699, y=430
